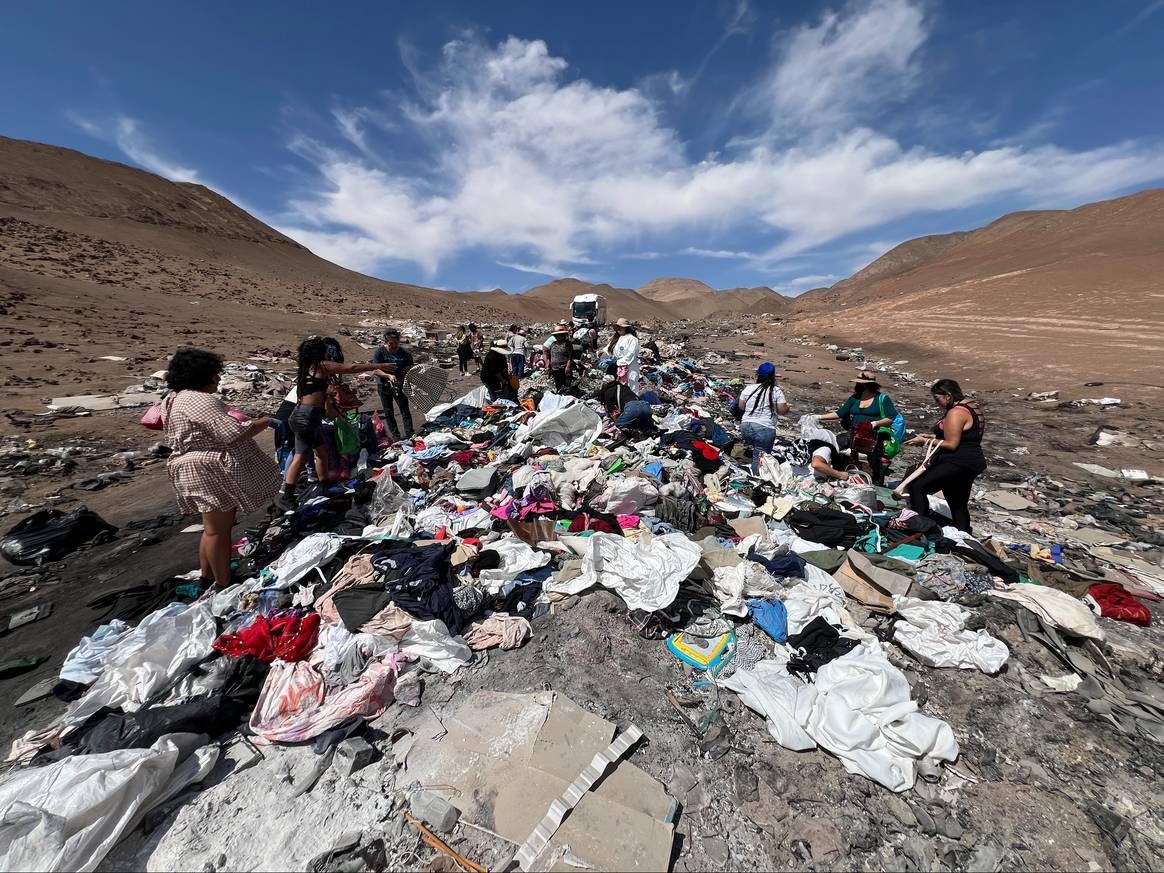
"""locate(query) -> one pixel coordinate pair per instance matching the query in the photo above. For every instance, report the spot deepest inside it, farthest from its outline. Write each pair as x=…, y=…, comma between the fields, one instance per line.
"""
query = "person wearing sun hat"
x=495, y=371
x=761, y=404
x=624, y=348
x=867, y=413
x=560, y=357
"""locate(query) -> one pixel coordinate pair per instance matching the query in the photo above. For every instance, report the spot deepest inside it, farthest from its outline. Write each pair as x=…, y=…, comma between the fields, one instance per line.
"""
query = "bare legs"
x=214, y=549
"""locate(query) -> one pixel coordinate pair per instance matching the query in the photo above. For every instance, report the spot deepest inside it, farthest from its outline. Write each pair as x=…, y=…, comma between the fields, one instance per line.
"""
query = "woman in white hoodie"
x=624, y=348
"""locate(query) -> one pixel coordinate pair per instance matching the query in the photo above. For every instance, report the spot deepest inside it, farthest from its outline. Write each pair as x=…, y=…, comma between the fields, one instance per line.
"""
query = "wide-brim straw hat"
x=622, y=322
x=865, y=377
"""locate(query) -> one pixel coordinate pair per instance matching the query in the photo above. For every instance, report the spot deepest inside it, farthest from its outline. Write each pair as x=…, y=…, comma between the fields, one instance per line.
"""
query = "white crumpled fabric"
x=734, y=585
x=69, y=814
x=933, y=630
x=312, y=551
x=516, y=558
x=575, y=425
x=777, y=473
x=432, y=640
x=1055, y=607
x=166, y=643
x=810, y=429
x=478, y=397
x=551, y=401
x=783, y=536
x=645, y=574
x=436, y=517
x=859, y=709
x=87, y=659
x=818, y=596
x=628, y=495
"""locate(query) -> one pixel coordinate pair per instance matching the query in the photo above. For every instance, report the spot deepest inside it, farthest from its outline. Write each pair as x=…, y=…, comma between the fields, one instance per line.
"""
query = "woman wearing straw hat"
x=560, y=356
x=864, y=413
x=495, y=371
x=624, y=348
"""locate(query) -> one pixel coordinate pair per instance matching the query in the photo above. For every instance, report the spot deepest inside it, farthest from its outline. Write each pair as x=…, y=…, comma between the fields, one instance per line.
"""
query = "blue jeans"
x=517, y=361
x=636, y=415
x=761, y=438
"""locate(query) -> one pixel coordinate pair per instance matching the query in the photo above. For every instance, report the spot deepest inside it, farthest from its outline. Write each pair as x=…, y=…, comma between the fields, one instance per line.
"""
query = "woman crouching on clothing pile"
x=318, y=370
x=217, y=468
x=957, y=460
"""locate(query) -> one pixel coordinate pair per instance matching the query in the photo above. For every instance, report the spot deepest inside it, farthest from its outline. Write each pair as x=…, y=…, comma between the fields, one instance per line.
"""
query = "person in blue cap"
x=761, y=404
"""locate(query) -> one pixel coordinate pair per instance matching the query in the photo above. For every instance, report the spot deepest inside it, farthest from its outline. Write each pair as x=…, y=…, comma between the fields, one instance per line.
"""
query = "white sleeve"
x=826, y=453
x=778, y=395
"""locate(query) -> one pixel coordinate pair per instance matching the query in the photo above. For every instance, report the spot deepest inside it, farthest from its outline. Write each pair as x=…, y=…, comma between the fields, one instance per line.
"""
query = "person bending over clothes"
x=829, y=461
x=863, y=414
x=390, y=384
x=318, y=370
x=217, y=469
x=495, y=372
x=625, y=408
x=761, y=404
x=959, y=459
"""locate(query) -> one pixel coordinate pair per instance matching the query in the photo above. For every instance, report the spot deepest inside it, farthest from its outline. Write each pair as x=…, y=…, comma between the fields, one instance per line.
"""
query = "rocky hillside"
x=696, y=299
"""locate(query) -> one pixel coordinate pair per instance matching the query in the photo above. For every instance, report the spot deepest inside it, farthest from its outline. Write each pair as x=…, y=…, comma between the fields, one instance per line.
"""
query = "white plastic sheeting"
x=645, y=574
x=934, y=631
x=166, y=643
x=86, y=661
x=312, y=551
x=516, y=558
x=858, y=709
x=575, y=425
x=432, y=640
x=478, y=397
x=68, y=815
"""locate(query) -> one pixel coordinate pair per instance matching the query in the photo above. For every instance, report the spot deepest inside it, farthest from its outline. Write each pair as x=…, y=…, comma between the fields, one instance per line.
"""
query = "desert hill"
x=1017, y=293
x=695, y=299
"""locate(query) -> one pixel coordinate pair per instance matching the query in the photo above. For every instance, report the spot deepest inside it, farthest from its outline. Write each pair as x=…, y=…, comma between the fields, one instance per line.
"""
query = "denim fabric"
x=760, y=438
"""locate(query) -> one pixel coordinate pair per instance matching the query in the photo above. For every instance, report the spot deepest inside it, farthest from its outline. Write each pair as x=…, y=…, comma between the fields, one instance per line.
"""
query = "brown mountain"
x=1014, y=295
x=694, y=299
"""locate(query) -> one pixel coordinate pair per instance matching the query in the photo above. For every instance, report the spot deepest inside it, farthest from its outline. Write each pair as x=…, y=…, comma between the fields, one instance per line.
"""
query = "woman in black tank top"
x=959, y=459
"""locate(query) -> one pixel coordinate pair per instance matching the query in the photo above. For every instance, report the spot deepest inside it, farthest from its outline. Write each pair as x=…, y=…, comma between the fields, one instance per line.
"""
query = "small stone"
x=717, y=852
x=747, y=786
x=434, y=811
x=353, y=754
x=953, y=828
x=900, y=810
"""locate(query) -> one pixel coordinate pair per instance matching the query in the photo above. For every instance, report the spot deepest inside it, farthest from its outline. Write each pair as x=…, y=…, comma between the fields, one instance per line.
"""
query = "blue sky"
x=472, y=145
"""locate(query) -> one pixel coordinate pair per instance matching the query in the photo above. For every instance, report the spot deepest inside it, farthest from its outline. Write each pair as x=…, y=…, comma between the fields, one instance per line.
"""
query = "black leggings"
x=954, y=482
x=464, y=355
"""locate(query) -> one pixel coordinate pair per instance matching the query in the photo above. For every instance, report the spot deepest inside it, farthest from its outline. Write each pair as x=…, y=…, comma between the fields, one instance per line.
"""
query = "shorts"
x=306, y=422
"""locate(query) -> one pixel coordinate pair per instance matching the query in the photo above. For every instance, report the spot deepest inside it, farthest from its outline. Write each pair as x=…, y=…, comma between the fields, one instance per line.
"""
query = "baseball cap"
x=766, y=369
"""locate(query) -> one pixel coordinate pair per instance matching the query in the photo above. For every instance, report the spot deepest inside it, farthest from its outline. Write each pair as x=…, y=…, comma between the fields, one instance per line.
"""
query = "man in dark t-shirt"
x=391, y=352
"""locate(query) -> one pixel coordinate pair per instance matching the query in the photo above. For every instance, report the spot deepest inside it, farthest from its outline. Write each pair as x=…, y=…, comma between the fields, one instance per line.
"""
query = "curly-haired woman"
x=216, y=467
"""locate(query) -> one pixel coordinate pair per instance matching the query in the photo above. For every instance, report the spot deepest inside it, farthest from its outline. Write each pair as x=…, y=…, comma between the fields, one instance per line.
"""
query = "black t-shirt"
x=614, y=396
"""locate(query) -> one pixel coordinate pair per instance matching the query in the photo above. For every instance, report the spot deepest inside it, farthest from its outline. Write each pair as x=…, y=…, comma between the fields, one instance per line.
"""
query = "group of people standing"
x=218, y=470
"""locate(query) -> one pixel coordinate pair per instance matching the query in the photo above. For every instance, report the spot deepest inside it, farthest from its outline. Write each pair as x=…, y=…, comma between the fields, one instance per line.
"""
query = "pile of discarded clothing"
x=787, y=591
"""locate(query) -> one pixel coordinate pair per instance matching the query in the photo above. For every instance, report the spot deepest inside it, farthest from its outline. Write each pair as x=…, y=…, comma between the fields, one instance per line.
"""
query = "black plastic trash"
x=51, y=534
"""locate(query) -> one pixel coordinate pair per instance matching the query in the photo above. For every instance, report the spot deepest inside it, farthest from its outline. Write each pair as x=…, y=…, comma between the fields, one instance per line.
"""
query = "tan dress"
x=214, y=467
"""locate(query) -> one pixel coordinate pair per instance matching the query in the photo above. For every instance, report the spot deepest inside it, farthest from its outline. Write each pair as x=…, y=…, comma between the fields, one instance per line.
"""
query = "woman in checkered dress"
x=216, y=467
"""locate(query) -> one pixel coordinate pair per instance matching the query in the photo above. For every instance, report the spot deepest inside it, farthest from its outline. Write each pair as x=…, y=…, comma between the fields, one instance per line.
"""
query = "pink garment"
x=500, y=629
x=294, y=705
x=626, y=522
x=539, y=507
x=357, y=571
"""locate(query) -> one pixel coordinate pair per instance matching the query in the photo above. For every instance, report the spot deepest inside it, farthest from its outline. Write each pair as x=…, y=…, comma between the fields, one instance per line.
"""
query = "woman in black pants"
x=958, y=460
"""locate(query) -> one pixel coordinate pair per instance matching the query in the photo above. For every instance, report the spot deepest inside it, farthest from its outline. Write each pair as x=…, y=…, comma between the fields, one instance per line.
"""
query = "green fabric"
x=829, y=560
x=908, y=552
x=346, y=440
x=882, y=407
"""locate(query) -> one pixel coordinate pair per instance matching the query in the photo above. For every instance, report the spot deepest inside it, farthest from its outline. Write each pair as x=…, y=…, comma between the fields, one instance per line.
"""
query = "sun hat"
x=866, y=378
x=561, y=328
x=766, y=369
x=501, y=344
x=622, y=322
x=391, y=333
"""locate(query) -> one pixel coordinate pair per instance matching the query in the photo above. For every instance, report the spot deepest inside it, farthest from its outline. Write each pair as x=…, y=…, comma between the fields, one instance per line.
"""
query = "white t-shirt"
x=763, y=413
x=517, y=344
x=825, y=452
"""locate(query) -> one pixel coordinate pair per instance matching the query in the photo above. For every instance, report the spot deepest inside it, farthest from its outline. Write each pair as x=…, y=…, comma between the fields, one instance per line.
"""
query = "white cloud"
x=804, y=283
x=126, y=133
x=518, y=157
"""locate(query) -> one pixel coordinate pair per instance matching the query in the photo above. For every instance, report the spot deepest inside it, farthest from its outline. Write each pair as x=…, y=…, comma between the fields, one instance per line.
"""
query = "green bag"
x=347, y=441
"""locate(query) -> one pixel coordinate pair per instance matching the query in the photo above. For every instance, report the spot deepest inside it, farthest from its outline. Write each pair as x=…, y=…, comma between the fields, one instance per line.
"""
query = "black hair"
x=767, y=386
x=334, y=351
x=611, y=369
x=513, y=328
x=312, y=353
x=950, y=388
x=192, y=369
x=472, y=326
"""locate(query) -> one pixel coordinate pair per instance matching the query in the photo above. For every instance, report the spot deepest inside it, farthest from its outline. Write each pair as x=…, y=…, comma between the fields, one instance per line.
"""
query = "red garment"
x=284, y=638
x=708, y=451
x=1115, y=602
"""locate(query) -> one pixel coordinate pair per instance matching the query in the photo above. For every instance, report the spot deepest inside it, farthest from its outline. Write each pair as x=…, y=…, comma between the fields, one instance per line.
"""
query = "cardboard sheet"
x=507, y=757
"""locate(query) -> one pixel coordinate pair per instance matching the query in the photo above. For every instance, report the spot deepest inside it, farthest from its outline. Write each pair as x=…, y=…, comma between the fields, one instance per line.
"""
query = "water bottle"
x=362, y=463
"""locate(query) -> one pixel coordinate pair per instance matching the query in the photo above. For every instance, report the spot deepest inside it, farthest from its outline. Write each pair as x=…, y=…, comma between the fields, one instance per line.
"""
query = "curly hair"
x=192, y=369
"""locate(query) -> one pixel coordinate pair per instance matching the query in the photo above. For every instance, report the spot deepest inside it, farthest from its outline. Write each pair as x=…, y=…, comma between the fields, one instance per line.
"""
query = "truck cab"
x=588, y=309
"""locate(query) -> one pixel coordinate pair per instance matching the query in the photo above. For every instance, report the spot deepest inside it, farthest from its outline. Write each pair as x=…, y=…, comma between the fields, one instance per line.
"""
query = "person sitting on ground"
x=217, y=469
x=390, y=384
x=624, y=348
x=516, y=341
x=864, y=413
x=495, y=372
x=958, y=460
x=317, y=370
x=560, y=354
x=464, y=348
x=626, y=409
x=762, y=403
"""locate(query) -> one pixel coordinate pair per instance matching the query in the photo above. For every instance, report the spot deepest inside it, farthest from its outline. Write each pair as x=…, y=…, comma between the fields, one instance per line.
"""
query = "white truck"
x=588, y=309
